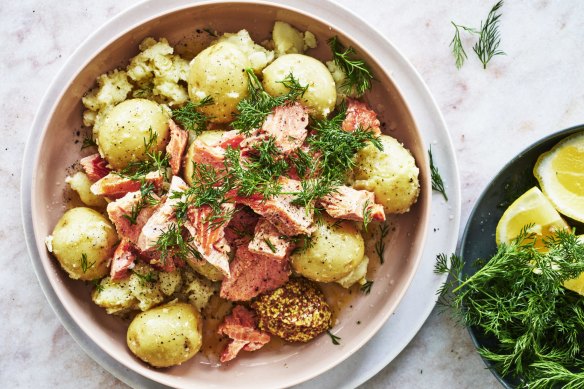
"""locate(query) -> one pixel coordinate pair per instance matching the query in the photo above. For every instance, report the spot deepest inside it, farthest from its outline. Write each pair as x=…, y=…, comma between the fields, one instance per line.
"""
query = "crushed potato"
x=144, y=289
x=258, y=56
x=288, y=40
x=155, y=73
x=80, y=183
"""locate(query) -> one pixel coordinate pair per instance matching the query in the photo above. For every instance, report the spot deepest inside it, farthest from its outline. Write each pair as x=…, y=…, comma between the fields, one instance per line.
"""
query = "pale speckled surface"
x=537, y=88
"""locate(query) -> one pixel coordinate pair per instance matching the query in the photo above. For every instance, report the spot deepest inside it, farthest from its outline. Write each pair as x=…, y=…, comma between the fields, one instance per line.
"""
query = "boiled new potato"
x=209, y=137
x=391, y=174
x=219, y=72
x=357, y=275
x=321, y=94
x=83, y=242
x=80, y=183
x=167, y=335
x=336, y=249
x=122, y=134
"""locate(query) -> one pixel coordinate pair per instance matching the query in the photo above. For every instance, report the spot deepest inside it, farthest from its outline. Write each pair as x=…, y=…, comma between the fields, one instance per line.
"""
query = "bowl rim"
x=556, y=137
x=33, y=145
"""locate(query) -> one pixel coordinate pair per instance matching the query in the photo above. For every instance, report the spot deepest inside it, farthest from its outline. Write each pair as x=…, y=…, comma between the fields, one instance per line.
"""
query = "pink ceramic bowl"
x=53, y=149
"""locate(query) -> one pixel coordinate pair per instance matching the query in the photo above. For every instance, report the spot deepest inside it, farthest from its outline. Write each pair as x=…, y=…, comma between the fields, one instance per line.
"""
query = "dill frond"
x=437, y=182
x=358, y=74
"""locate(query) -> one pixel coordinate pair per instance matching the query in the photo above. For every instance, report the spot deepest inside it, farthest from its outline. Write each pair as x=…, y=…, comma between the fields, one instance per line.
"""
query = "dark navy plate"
x=478, y=240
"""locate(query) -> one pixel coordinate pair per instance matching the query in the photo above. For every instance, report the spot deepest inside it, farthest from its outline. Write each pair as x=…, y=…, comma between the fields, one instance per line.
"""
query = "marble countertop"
x=534, y=90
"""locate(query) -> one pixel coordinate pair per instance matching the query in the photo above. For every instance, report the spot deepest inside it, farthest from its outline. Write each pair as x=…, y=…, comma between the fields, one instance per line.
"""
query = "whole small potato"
x=391, y=174
x=167, y=335
x=219, y=72
x=83, y=242
x=336, y=249
x=122, y=134
x=209, y=137
x=321, y=95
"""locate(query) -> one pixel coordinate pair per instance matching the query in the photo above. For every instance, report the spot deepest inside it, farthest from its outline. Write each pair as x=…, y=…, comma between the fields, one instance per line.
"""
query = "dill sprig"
x=338, y=147
x=335, y=151
x=367, y=217
x=257, y=174
x=313, y=189
x=303, y=163
x=457, y=48
x=366, y=287
x=88, y=142
x=270, y=244
x=172, y=243
x=147, y=198
x=489, y=38
x=358, y=73
x=380, y=243
x=303, y=243
x=155, y=160
x=97, y=285
x=85, y=265
x=150, y=277
x=254, y=109
x=133, y=215
x=191, y=119
x=209, y=187
x=437, y=182
x=335, y=339
x=518, y=298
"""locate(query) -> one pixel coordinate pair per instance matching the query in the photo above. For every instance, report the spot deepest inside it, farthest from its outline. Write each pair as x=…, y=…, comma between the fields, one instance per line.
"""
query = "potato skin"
x=167, y=335
x=391, y=174
x=84, y=231
x=321, y=95
x=210, y=137
x=335, y=251
x=219, y=72
x=126, y=127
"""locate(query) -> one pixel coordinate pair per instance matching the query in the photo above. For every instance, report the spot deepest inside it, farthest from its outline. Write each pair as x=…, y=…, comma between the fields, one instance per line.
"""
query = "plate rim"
x=121, y=372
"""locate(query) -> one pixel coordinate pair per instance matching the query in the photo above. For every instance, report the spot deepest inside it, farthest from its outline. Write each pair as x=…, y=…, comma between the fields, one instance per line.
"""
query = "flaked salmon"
x=242, y=327
x=213, y=153
x=127, y=221
x=209, y=235
x=360, y=115
x=162, y=218
x=176, y=146
x=286, y=124
x=288, y=218
x=115, y=186
x=253, y=274
x=95, y=167
x=123, y=260
x=267, y=240
x=352, y=204
x=241, y=227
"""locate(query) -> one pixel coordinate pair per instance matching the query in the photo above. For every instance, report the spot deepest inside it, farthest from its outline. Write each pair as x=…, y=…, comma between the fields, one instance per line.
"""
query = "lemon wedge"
x=576, y=284
x=531, y=208
x=560, y=173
